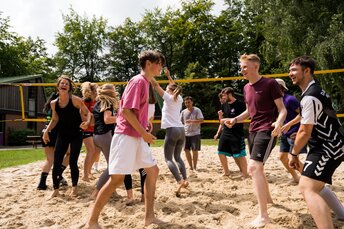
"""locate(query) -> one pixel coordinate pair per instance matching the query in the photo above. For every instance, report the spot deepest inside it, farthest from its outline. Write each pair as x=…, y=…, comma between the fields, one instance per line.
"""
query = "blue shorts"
x=286, y=145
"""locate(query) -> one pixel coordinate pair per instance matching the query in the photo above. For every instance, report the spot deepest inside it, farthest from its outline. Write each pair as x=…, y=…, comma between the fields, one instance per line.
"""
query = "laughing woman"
x=67, y=111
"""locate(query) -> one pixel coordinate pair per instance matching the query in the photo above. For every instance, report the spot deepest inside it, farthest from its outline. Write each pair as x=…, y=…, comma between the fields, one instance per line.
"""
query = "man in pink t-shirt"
x=129, y=149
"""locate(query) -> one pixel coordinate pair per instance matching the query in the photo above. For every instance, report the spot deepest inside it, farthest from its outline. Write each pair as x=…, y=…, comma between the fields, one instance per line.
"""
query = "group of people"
x=272, y=111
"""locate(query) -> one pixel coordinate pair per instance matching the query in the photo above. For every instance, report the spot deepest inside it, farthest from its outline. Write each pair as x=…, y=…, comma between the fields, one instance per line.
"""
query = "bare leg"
x=283, y=156
x=102, y=198
x=55, y=193
x=49, y=153
x=317, y=206
x=74, y=192
x=256, y=170
x=90, y=157
x=130, y=196
x=189, y=159
x=195, y=158
x=150, y=186
x=224, y=163
x=242, y=164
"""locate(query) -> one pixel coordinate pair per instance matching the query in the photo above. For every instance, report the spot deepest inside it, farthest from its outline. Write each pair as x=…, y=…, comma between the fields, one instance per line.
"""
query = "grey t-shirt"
x=192, y=129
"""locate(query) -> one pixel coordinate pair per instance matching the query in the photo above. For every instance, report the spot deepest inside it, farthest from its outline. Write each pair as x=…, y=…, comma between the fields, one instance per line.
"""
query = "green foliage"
x=208, y=132
x=81, y=45
x=19, y=55
x=160, y=134
x=18, y=137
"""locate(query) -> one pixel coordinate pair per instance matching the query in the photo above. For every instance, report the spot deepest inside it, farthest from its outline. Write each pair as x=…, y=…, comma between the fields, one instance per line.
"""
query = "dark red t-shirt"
x=259, y=98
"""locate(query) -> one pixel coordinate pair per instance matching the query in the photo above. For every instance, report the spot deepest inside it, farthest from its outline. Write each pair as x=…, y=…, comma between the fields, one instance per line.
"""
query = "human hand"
x=216, y=136
x=166, y=71
x=294, y=162
x=230, y=122
x=84, y=125
x=45, y=137
x=277, y=130
x=285, y=128
x=149, y=138
x=220, y=114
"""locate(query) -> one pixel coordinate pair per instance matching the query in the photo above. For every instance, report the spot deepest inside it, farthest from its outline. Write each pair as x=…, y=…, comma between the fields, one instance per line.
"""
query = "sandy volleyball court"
x=213, y=202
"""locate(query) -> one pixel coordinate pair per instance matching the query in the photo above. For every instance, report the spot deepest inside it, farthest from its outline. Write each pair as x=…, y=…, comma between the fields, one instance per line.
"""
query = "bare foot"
x=94, y=194
x=74, y=192
x=55, y=193
x=225, y=175
x=154, y=221
x=85, y=178
x=185, y=184
x=90, y=176
x=293, y=182
x=259, y=222
x=130, y=202
x=92, y=225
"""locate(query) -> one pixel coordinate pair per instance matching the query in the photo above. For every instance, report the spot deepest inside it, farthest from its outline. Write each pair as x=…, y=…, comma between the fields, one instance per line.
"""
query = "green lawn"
x=10, y=158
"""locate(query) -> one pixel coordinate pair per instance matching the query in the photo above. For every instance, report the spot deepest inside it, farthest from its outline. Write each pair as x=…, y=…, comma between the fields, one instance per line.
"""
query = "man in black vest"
x=323, y=132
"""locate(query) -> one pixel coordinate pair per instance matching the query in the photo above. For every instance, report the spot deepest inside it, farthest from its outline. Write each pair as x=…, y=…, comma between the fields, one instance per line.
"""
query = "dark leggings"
x=61, y=146
x=128, y=181
x=174, y=142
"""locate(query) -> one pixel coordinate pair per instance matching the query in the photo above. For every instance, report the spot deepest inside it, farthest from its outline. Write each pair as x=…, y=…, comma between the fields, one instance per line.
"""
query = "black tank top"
x=69, y=118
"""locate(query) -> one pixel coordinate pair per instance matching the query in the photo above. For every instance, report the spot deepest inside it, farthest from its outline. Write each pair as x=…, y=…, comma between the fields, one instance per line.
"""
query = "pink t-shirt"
x=135, y=97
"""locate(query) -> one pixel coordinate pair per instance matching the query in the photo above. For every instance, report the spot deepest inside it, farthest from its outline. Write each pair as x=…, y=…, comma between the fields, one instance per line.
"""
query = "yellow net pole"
x=22, y=101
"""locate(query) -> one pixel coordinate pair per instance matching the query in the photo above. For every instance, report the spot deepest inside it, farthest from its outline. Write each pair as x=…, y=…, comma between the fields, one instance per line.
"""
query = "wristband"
x=236, y=120
x=295, y=155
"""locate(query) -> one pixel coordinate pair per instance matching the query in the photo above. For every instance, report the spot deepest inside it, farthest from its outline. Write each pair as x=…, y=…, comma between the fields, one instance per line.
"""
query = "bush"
x=160, y=134
x=18, y=137
x=208, y=132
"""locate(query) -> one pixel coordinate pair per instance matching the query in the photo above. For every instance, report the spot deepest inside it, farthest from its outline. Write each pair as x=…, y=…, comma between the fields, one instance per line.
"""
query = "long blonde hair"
x=87, y=88
x=108, y=97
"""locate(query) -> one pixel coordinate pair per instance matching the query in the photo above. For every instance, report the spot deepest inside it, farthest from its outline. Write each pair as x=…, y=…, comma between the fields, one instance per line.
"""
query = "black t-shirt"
x=99, y=125
x=231, y=111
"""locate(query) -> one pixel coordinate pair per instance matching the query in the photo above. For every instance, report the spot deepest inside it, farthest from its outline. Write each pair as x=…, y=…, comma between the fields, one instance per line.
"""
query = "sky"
x=43, y=18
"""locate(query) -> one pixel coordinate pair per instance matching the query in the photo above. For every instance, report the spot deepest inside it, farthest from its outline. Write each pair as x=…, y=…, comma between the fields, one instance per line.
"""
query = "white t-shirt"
x=171, y=111
x=151, y=111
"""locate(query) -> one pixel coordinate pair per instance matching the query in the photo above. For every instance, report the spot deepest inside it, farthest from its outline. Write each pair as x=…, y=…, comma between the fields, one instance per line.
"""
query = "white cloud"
x=43, y=18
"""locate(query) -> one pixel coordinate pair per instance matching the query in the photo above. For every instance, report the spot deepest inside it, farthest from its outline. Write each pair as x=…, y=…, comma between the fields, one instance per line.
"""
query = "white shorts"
x=128, y=154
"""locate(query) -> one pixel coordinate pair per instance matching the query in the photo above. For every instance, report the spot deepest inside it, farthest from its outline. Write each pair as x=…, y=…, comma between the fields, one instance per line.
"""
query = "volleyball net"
x=24, y=117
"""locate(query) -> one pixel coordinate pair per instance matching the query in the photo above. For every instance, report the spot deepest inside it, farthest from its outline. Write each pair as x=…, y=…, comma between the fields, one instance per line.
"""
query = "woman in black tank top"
x=68, y=111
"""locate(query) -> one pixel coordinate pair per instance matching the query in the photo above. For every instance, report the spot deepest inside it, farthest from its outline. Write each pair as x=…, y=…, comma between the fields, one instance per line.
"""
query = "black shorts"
x=52, y=137
x=193, y=142
x=87, y=135
x=319, y=166
x=260, y=145
x=231, y=143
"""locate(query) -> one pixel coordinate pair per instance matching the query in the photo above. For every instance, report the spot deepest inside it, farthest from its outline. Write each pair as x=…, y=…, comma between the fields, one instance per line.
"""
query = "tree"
x=20, y=55
x=81, y=46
